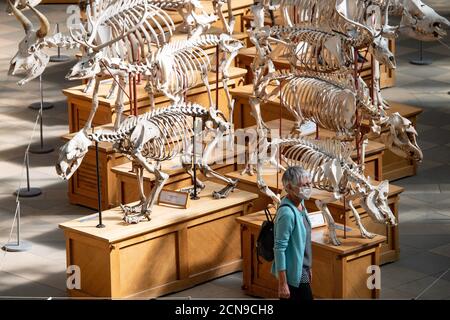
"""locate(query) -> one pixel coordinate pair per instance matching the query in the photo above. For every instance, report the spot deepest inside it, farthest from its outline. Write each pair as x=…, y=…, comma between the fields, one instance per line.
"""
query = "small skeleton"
x=149, y=139
x=334, y=171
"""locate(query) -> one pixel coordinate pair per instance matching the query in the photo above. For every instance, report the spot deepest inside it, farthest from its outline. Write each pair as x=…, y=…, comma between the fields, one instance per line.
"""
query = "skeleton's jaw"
x=33, y=66
x=404, y=144
x=65, y=169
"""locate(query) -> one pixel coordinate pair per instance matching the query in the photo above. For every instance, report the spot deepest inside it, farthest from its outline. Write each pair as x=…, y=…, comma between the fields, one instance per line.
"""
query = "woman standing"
x=292, y=232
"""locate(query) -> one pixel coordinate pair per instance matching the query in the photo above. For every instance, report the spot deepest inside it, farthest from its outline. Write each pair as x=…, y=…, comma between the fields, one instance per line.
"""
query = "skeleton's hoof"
x=130, y=209
x=368, y=235
x=248, y=170
x=132, y=219
x=335, y=242
x=225, y=191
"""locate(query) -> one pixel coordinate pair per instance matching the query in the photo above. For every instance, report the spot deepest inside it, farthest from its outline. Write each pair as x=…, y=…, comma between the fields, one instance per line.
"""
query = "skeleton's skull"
x=380, y=49
x=29, y=56
x=402, y=138
x=376, y=204
x=86, y=68
x=71, y=155
x=421, y=22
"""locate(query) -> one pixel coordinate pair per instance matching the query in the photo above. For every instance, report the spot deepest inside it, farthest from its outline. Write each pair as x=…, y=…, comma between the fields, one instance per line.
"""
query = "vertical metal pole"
x=217, y=78
x=41, y=111
x=18, y=223
x=27, y=166
x=194, y=195
x=99, y=193
x=59, y=49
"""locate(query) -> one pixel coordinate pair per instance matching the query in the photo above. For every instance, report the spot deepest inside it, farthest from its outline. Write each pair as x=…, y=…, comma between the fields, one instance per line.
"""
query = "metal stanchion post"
x=40, y=148
x=27, y=192
x=41, y=104
x=421, y=61
x=19, y=245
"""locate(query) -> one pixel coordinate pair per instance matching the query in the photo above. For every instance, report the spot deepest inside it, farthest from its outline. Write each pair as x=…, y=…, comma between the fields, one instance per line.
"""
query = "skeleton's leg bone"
x=208, y=172
x=94, y=107
x=140, y=180
x=89, y=85
x=322, y=205
x=119, y=106
x=362, y=229
x=112, y=91
x=160, y=180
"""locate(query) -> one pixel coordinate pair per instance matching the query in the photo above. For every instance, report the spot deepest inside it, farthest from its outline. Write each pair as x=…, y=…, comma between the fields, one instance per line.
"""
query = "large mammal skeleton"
x=332, y=170
x=172, y=70
x=149, y=139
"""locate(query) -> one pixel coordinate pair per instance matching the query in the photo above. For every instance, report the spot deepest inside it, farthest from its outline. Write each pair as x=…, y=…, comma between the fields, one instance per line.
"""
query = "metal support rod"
x=421, y=61
x=29, y=191
x=217, y=77
x=41, y=104
x=99, y=192
x=135, y=96
x=194, y=196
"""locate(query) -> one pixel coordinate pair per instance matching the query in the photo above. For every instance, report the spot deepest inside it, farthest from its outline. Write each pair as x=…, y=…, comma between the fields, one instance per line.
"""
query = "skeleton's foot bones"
x=224, y=192
x=126, y=209
x=249, y=169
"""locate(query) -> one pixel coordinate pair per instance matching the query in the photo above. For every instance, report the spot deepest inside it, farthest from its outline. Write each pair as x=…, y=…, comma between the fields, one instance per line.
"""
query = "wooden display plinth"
x=127, y=188
x=373, y=155
x=338, y=272
x=83, y=183
x=177, y=249
x=80, y=104
x=394, y=167
x=390, y=249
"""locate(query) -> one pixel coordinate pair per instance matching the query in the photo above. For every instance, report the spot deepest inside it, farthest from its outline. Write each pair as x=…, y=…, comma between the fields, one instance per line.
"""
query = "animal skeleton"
x=152, y=137
x=332, y=170
x=171, y=70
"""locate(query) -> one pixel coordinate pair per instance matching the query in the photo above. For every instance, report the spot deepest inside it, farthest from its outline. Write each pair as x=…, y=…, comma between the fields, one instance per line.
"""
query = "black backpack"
x=266, y=237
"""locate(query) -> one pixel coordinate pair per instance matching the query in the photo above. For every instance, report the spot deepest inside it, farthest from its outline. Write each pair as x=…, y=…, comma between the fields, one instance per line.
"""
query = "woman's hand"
x=283, y=290
x=310, y=275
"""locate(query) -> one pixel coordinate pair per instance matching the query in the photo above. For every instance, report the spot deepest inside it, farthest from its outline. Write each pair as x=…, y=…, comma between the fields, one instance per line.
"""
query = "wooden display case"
x=177, y=249
x=80, y=104
x=338, y=272
x=390, y=249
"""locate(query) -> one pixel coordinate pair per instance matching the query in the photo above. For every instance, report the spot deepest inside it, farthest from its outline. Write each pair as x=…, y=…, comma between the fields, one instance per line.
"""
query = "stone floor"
x=40, y=272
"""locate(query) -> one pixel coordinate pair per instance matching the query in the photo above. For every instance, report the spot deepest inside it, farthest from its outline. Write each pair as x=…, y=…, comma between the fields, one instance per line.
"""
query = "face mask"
x=305, y=193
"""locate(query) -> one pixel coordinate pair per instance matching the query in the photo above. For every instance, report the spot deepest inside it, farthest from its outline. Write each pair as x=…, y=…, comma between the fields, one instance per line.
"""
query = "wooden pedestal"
x=390, y=249
x=394, y=167
x=338, y=272
x=177, y=249
x=80, y=104
x=83, y=183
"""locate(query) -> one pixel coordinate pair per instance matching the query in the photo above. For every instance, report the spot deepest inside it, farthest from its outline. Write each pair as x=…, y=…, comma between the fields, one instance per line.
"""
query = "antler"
x=45, y=25
x=27, y=25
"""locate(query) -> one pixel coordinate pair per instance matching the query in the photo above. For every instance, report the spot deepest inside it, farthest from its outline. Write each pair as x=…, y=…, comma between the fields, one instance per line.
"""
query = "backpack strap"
x=268, y=215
